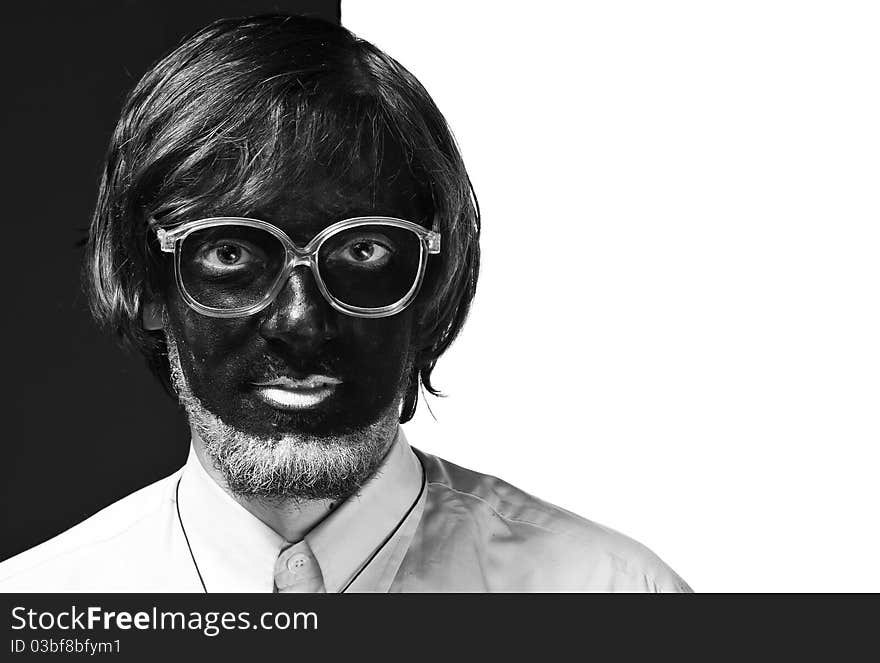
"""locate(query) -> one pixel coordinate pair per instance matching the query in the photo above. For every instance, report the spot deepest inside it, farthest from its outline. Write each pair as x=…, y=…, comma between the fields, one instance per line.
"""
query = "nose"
x=300, y=316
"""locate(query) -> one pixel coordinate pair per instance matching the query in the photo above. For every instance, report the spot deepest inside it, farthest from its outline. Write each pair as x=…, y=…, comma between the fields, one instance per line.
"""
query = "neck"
x=292, y=519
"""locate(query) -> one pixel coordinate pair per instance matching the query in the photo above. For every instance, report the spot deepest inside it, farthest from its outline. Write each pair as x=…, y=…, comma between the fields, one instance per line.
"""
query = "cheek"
x=205, y=343
x=381, y=346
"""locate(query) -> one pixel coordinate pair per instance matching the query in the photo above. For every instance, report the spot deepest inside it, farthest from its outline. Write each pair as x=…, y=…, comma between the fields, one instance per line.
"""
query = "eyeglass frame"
x=170, y=240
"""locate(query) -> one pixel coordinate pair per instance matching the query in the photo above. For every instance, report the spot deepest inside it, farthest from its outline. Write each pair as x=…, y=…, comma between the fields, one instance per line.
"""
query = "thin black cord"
x=360, y=570
x=186, y=538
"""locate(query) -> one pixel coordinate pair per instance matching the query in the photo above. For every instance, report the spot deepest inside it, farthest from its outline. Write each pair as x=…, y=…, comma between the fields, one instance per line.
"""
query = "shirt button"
x=297, y=561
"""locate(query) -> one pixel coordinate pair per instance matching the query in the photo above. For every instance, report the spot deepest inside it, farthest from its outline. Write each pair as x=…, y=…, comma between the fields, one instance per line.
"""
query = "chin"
x=293, y=463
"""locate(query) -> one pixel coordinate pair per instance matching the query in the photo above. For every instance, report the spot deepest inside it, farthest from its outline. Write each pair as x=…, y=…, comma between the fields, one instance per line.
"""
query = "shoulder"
x=555, y=549
x=99, y=552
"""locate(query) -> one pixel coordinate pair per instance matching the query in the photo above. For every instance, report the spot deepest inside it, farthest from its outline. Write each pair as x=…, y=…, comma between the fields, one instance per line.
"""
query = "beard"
x=291, y=465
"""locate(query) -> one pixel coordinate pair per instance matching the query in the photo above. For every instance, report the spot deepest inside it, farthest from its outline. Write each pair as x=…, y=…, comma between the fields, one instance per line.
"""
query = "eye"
x=367, y=251
x=229, y=254
x=363, y=252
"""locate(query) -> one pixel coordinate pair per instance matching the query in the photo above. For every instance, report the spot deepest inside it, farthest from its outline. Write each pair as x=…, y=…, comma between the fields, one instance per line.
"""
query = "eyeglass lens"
x=230, y=266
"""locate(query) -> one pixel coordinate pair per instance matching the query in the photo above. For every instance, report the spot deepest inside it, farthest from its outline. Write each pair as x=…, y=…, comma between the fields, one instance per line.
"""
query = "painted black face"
x=229, y=362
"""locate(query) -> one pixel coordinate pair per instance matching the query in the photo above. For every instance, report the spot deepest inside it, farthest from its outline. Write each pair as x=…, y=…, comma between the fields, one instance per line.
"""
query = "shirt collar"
x=235, y=551
x=346, y=540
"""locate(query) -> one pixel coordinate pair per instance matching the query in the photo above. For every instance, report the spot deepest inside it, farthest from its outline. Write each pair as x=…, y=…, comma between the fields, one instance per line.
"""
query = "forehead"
x=327, y=194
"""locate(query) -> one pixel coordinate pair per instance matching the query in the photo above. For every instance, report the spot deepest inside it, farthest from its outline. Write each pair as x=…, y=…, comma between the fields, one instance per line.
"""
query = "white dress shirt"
x=420, y=524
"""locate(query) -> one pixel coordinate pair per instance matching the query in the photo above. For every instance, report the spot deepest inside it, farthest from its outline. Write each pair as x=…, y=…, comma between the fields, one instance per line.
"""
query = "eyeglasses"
x=368, y=267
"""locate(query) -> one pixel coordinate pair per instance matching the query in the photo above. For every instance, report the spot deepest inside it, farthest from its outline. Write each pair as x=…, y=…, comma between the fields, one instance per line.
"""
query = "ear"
x=152, y=315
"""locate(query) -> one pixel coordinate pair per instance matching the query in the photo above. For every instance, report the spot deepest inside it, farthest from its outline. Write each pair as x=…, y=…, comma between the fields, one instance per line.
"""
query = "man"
x=285, y=229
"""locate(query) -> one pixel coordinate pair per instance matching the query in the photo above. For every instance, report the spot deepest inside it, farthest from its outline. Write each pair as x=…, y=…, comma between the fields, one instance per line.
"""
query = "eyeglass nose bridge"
x=297, y=257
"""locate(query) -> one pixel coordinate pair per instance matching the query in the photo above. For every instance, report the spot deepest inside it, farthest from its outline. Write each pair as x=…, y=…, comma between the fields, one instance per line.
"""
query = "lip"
x=296, y=393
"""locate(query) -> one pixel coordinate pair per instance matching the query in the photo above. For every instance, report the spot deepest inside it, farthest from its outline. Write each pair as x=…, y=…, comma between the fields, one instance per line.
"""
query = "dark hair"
x=241, y=105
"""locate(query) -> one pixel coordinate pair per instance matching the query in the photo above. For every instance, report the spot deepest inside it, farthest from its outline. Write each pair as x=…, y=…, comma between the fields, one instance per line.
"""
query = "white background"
x=677, y=323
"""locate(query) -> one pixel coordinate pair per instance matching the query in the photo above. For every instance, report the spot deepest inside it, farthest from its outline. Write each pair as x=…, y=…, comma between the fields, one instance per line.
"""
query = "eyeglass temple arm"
x=166, y=243
x=432, y=237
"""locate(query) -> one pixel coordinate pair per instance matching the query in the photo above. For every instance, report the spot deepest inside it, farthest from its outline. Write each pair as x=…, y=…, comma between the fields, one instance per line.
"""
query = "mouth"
x=296, y=393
